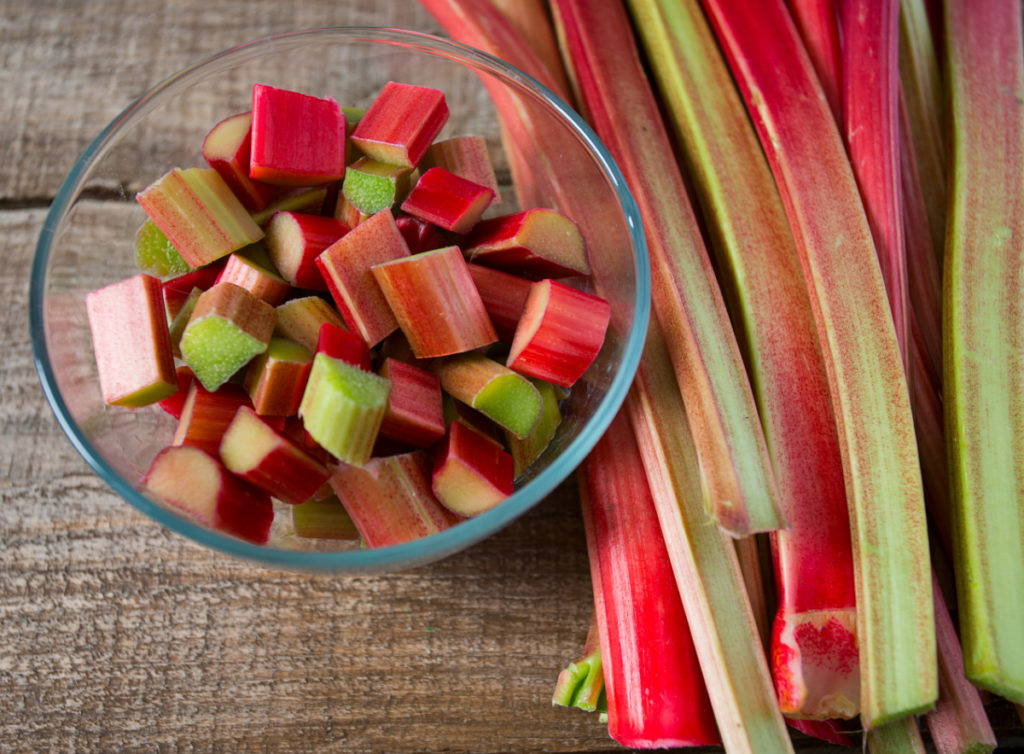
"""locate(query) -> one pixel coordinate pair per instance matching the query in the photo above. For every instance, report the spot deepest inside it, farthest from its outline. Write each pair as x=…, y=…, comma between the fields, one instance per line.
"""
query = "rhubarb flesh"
x=276, y=379
x=507, y=398
x=227, y=150
x=295, y=240
x=472, y=473
x=371, y=186
x=155, y=255
x=542, y=242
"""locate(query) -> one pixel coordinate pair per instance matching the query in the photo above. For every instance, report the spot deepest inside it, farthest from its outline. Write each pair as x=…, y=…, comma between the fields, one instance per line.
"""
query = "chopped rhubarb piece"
x=155, y=255
x=526, y=450
x=343, y=407
x=301, y=318
x=205, y=416
x=227, y=150
x=371, y=186
x=177, y=326
x=345, y=266
x=297, y=139
x=177, y=289
x=504, y=297
x=472, y=473
x=467, y=157
x=252, y=269
x=538, y=242
x=507, y=398
x=323, y=519
x=295, y=430
x=251, y=449
x=349, y=213
x=197, y=483
x=276, y=379
x=352, y=117
x=448, y=201
x=390, y=500
x=560, y=333
x=435, y=302
x=419, y=235
x=174, y=403
x=295, y=240
x=401, y=123
x=199, y=215
x=339, y=343
x=414, y=414
x=308, y=199
x=131, y=342
x=228, y=328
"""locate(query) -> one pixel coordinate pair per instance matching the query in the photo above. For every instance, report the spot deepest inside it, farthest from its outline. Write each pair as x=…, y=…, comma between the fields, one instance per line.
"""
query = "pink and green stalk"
x=276, y=379
x=505, y=397
x=205, y=415
x=308, y=199
x=537, y=242
x=177, y=290
x=740, y=489
x=819, y=25
x=472, y=473
x=656, y=694
x=177, y=326
x=435, y=302
x=526, y=450
x=227, y=149
x=247, y=271
x=297, y=139
x=895, y=623
x=900, y=736
x=371, y=186
x=294, y=241
x=984, y=336
x=504, y=297
x=323, y=519
x=199, y=214
x=401, y=122
x=581, y=683
x=531, y=19
x=339, y=343
x=300, y=319
x=414, y=413
x=131, y=342
x=447, y=200
x=466, y=157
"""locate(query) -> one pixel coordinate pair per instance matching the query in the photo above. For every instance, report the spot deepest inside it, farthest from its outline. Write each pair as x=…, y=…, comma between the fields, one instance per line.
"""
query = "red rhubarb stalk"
x=818, y=22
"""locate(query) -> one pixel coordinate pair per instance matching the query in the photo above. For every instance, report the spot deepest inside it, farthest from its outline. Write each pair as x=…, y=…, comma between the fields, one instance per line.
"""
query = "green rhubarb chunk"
x=155, y=254
x=342, y=408
x=371, y=186
x=215, y=348
x=180, y=321
x=526, y=450
x=512, y=402
x=323, y=519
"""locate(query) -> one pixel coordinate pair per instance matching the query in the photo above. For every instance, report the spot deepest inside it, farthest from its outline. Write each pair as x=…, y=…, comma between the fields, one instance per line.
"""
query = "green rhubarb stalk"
x=581, y=683
x=895, y=623
x=898, y=737
x=984, y=336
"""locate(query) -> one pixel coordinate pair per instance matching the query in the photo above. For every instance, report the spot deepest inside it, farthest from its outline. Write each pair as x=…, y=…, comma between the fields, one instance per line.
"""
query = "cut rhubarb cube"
x=560, y=333
x=448, y=201
x=276, y=379
x=226, y=149
x=390, y=499
x=177, y=289
x=343, y=407
x=205, y=416
x=295, y=240
x=253, y=451
x=538, y=242
x=401, y=123
x=507, y=398
x=294, y=430
x=194, y=481
x=472, y=473
x=227, y=329
x=339, y=343
x=323, y=519
x=504, y=297
x=526, y=450
x=414, y=415
x=467, y=157
x=131, y=342
x=308, y=199
x=199, y=215
x=253, y=270
x=419, y=235
x=346, y=268
x=347, y=212
x=174, y=403
x=301, y=318
x=371, y=186
x=435, y=302
x=155, y=254
x=297, y=139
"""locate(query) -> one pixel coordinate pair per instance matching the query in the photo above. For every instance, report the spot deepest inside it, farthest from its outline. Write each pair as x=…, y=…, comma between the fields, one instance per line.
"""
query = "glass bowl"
x=87, y=242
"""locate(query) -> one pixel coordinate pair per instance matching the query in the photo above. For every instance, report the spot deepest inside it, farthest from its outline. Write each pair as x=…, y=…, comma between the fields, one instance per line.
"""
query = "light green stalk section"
x=898, y=737
x=983, y=329
x=525, y=450
x=372, y=186
x=155, y=254
x=215, y=348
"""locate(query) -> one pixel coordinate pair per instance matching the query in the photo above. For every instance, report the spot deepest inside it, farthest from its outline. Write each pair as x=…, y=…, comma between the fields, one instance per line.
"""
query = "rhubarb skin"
x=339, y=343
x=467, y=157
x=435, y=302
x=196, y=482
x=504, y=297
x=505, y=397
x=346, y=267
x=560, y=333
x=300, y=319
x=294, y=241
x=297, y=139
x=401, y=123
x=472, y=473
x=984, y=337
x=131, y=342
x=537, y=243
x=226, y=149
x=246, y=272
x=414, y=413
x=177, y=289
x=419, y=235
x=276, y=379
x=448, y=201
x=206, y=415
x=819, y=25
x=175, y=402
x=252, y=450
x=656, y=693
x=390, y=500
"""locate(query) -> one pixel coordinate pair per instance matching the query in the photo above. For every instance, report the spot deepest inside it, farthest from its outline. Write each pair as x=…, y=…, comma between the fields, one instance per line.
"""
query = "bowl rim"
x=394, y=557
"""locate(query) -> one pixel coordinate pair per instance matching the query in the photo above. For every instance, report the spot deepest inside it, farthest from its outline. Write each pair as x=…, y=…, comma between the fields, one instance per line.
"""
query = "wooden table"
x=116, y=635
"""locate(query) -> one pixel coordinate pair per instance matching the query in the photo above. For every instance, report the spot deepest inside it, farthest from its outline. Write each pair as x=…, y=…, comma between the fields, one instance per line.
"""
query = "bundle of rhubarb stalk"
x=811, y=509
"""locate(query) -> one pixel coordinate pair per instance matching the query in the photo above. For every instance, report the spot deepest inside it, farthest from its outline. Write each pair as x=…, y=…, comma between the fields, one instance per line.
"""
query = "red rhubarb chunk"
x=177, y=289
x=415, y=413
x=276, y=379
x=472, y=473
x=560, y=333
x=504, y=296
x=342, y=344
x=539, y=242
x=206, y=416
x=131, y=342
x=227, y=150
x=419, y=235
x=448, y=201
x=174, y=403
x=261, y=282
x=401, y=123
x=295, y=240
x=297, y=139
